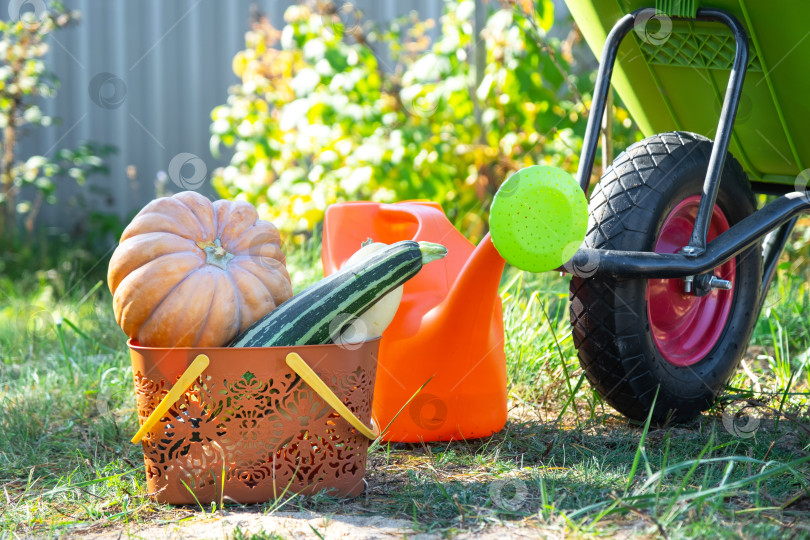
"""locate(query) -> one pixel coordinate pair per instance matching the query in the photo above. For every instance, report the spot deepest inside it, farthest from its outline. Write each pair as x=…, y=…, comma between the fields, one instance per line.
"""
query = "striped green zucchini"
x=319, y=313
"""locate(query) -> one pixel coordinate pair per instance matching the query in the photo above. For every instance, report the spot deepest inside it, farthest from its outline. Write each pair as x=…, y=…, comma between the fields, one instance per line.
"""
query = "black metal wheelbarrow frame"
x=629, y=360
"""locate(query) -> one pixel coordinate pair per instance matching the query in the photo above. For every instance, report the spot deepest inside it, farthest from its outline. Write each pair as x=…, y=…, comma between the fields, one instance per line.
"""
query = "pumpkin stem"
x=215, y=254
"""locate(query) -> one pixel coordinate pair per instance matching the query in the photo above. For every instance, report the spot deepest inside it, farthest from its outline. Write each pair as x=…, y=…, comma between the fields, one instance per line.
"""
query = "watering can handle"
x=191, y=373
x=298, y=365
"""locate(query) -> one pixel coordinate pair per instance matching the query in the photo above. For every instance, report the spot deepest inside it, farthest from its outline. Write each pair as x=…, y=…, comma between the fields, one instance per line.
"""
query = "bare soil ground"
x=247, y=524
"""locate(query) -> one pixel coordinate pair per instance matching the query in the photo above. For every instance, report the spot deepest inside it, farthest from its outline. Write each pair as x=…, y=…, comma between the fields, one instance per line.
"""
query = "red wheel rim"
x=686, y=327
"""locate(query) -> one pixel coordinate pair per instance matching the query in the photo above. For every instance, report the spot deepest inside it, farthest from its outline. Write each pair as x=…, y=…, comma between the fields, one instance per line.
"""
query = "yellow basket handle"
x=191, y=373
x=303, y=370
x=295, y=362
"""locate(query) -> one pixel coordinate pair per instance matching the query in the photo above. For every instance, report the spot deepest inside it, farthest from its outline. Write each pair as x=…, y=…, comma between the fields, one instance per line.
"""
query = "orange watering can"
x=448, y=328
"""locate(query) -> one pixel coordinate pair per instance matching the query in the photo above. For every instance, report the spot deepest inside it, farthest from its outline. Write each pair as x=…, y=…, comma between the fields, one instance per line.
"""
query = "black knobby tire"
x=611, y=326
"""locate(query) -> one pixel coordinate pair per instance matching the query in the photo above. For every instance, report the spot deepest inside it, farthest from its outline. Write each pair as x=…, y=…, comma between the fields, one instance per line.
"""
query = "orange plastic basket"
x=249, y=429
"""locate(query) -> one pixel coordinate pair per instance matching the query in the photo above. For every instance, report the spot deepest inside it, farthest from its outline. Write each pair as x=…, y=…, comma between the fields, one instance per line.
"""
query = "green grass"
x=564, y=464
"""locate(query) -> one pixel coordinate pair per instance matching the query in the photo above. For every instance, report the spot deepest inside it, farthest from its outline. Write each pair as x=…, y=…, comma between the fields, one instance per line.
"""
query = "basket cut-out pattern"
x=258, y=435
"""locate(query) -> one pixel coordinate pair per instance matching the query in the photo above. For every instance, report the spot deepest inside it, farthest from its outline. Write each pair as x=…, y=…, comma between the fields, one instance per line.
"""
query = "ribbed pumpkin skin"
x=192, y=273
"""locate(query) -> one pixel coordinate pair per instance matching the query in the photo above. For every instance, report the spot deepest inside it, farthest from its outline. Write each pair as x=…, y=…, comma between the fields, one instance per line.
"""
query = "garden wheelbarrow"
x=677, y=259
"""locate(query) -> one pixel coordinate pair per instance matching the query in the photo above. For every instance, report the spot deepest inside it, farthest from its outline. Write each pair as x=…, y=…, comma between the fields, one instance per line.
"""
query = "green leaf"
x=545, y=14
x=337, y=60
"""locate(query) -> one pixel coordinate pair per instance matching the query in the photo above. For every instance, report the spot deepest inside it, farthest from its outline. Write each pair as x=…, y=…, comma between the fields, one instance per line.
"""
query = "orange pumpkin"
x=192, y=273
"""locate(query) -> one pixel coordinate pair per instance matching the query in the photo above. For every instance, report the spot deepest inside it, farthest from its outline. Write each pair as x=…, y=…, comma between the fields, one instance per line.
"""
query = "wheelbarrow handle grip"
x=298, y=365
x=191, y=373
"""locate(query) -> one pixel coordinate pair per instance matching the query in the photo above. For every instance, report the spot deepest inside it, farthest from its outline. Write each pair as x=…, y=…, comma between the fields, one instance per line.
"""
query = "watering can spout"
x=473, y=295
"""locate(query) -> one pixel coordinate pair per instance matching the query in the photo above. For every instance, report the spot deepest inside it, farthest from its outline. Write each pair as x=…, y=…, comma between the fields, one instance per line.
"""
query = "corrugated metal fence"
x=143, y=75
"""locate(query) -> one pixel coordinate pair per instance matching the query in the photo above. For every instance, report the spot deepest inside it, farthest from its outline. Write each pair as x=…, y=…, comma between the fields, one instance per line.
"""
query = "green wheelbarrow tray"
x=672, y=74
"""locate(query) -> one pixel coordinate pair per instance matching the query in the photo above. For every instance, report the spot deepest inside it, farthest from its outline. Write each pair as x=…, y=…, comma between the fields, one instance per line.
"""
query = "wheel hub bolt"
x=717, y=283
x=704, y=284
x=687, y=284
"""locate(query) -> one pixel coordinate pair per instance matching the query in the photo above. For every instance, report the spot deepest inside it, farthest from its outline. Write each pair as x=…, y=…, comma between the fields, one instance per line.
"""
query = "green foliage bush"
x=24, y=82
x=323, y=114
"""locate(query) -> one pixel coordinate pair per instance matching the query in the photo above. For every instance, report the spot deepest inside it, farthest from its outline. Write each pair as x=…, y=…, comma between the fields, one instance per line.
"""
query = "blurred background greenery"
x=332, y=106
x=331, y=109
